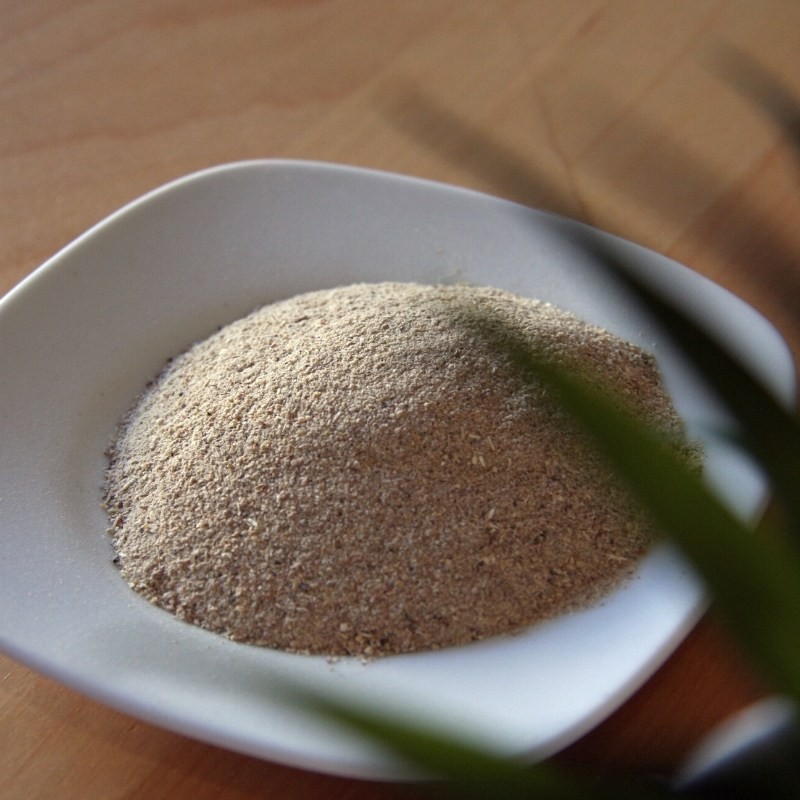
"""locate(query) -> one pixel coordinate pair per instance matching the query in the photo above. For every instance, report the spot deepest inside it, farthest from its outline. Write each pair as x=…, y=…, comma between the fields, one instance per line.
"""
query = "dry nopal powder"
x=355, y=472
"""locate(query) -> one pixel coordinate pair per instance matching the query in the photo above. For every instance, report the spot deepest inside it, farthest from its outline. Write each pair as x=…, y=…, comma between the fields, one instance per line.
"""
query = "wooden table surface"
x=607, y=111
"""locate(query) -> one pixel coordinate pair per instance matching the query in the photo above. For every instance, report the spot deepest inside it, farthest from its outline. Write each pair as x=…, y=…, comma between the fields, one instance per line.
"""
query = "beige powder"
x=353, y=472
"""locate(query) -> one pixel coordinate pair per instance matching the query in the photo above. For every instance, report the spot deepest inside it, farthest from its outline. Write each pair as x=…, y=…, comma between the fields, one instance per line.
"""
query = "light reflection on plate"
x=82, y=335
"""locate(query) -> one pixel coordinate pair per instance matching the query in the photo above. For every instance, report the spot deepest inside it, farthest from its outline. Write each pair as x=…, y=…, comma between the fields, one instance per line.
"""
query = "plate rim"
x=17, y=292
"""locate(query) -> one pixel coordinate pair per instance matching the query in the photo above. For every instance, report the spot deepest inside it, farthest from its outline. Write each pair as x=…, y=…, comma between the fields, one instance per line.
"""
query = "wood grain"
x=606, y=111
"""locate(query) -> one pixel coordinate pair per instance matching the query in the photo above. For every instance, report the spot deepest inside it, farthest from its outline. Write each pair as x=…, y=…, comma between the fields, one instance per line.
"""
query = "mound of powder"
x=353, y=471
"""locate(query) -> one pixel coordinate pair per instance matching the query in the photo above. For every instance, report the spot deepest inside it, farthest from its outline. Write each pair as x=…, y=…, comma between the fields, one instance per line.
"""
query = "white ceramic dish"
x=81, y=336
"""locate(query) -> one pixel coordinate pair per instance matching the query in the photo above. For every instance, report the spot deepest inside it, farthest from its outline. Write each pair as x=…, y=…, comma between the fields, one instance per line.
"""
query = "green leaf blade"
x=755, y=580
x=470, y=770
x=767, y=430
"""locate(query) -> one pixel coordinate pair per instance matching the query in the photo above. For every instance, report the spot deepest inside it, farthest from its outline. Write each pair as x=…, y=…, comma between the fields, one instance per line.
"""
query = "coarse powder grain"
x=353, y=471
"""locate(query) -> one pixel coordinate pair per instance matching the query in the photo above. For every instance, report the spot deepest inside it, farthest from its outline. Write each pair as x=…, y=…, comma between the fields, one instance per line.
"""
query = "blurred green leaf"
x=468, y=770
x=754, y=579
x=766, y=430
